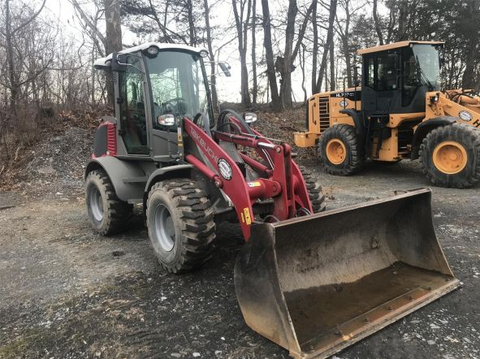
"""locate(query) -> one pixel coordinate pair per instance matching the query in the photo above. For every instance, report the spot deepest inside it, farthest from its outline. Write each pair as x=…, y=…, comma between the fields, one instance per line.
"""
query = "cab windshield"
x=427, y=61
x=178, y=86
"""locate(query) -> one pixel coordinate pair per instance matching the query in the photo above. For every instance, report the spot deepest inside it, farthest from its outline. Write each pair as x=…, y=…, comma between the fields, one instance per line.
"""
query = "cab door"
x=131, y=107
x=381, y=94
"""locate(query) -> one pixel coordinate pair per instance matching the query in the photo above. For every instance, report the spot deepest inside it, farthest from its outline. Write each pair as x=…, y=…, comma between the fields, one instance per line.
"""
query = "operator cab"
x=397, y=76
x=156, y=85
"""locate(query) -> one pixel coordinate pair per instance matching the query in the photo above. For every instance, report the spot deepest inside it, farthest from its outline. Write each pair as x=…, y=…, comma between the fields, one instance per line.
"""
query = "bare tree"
x=208, y=31
x=242, y=12
x=376, y=20
x=14, y=80
x=343, y=31
x=323, y=64
x=254, y=52
x=267, y=42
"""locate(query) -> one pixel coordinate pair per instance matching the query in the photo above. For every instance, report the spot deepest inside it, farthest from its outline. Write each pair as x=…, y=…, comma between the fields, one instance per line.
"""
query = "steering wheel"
x=174, y=104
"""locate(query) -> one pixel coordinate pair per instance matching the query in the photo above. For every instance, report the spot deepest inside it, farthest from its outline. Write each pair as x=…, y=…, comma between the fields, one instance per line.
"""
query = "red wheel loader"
x=312, y=283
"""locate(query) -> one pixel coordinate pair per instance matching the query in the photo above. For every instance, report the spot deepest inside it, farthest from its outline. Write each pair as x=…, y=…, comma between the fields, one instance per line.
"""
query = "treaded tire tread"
x=469, y=137
x=314, y=190
x=355, y=159
x=196, y=224
x=117, y=212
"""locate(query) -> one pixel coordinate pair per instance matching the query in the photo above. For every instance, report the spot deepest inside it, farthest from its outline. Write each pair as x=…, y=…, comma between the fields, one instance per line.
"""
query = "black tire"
x=107, y=213
x=181, y=226
x=352, y=157
x=314, y=190
x=468, y=172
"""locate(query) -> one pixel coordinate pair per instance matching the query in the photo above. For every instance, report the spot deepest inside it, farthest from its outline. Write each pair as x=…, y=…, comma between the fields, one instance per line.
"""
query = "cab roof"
x=104, y=62
x=396, y=45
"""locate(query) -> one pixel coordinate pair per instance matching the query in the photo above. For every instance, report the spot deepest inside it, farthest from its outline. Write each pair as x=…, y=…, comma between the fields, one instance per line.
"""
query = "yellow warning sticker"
x=254, y=184
x=246, y=213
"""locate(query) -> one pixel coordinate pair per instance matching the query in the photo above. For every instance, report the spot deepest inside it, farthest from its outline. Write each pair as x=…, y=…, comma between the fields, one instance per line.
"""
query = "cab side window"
x=370, y=72
x=386, y=73
x=132, y=108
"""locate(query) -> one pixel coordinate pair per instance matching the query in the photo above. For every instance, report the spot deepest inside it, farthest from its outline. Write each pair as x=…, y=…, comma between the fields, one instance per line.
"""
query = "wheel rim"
x=450, y=157
x=164, y=230
x=336, y=151
x=96, y=204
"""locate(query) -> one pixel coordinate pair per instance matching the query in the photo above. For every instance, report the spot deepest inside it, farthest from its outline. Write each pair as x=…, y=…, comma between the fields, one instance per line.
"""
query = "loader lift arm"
x=283, y=183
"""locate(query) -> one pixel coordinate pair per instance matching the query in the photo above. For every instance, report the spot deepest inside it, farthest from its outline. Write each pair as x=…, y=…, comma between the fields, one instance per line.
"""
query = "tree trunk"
x=267, y=41
x=213, y=80
x=191, y=23
x=254, y=55
x=402, y=19
x=10, y=63
x=315, y=47
x=241, y=26
x=302, y=66
x=377, y=23
x=323, y=65
x=113, y=40
x=286, y=72
x=332, y=66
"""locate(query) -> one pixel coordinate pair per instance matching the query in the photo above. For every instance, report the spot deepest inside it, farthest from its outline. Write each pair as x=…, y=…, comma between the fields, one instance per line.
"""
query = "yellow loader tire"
x=450, y=156
x=339, y=151
x=315, y=192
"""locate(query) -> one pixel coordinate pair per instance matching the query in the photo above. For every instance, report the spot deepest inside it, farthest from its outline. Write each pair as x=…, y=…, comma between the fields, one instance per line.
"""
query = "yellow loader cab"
x=398, y=112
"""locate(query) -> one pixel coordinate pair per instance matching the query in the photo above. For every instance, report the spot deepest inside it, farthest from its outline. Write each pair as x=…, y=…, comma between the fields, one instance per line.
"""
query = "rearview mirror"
x=119, y=62
x=225, y=68
x=249, y=117
x=166, y=120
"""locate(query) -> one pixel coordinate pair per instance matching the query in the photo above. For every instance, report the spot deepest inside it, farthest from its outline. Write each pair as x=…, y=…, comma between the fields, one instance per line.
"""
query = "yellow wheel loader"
x=305, y=280
x=398, y=113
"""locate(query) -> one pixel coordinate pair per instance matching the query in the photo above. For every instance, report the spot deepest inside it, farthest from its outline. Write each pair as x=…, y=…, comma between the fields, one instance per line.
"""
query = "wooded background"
x=47, y=71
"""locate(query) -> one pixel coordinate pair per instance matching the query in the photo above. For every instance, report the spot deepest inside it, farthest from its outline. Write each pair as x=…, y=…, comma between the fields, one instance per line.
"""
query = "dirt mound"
x=57, y=164
x=281, y=126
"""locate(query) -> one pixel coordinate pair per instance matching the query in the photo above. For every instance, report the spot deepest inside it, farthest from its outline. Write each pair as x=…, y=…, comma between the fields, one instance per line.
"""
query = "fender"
x=117, y=170
x=175, y=171
x=359, y=124
x=425, y=127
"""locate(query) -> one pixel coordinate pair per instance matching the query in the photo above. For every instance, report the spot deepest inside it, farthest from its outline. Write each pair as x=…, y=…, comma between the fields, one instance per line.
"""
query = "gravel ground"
x=67, y=293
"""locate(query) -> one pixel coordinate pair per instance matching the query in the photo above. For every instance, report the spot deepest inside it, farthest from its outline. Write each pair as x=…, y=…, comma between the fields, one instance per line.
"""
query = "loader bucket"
x=319, y=283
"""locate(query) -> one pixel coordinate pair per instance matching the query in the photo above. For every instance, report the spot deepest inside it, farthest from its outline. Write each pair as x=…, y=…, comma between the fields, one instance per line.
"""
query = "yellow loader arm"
x=463, y=104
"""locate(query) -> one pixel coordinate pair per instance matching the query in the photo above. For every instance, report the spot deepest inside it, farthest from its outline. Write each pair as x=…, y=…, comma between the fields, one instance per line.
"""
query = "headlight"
x=465, y=115
x=152, y=50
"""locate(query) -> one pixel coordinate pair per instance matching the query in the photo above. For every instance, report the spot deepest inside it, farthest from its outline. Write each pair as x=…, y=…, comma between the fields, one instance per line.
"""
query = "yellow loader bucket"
x=319, y=283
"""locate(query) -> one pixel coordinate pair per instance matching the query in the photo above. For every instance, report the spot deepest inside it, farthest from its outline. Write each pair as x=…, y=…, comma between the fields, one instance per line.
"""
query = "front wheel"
x=315, y=192
x=450, y=156
x=339, y=150
x=181, y=227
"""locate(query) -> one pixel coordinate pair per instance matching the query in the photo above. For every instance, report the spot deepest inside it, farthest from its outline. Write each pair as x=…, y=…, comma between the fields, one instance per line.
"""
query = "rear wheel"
x=339, y=150
x=107, y=213
x=450, y=156
x=317, y=198
x=181, y=225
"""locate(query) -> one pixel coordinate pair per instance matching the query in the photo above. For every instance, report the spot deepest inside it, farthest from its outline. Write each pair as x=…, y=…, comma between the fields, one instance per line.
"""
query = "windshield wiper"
x=423, y=76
